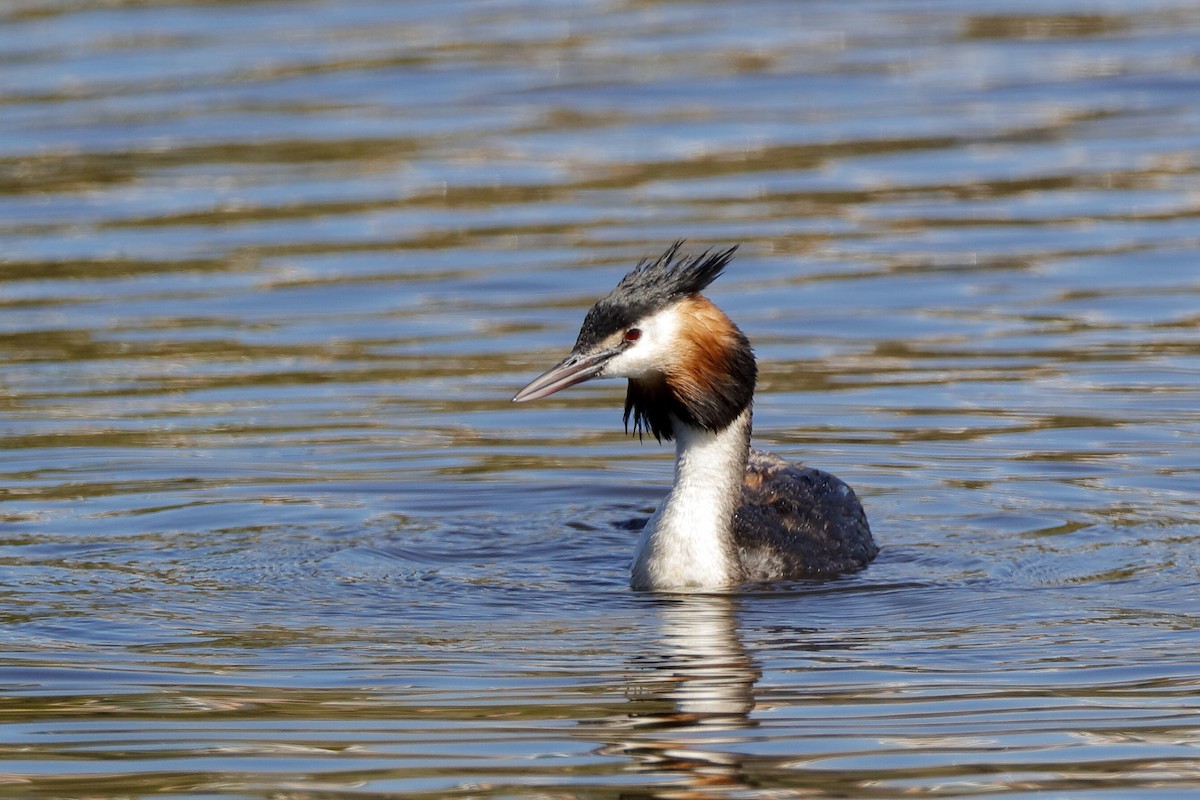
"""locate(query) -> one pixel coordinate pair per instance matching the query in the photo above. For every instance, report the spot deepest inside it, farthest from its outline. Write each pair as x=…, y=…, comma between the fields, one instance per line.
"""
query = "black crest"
x=649, y=287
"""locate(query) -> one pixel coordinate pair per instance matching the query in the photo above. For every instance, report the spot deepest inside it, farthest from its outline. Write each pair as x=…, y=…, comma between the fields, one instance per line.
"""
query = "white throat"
x=688, y=542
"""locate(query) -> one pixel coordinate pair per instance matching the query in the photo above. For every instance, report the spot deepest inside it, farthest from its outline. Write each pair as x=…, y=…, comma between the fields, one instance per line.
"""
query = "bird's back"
x=798, y=522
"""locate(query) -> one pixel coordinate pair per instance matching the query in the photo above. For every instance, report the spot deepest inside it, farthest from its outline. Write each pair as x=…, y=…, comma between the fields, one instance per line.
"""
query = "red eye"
x=632, y=335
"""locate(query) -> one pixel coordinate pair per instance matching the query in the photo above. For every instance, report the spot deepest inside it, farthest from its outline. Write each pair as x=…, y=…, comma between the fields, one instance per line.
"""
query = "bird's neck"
x=688, y=543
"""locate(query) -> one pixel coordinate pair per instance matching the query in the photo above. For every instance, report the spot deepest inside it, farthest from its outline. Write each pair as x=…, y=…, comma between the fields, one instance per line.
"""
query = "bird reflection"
x=689, y=700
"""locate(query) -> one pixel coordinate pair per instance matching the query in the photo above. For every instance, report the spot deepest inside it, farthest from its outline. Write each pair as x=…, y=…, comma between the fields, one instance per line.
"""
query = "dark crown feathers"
x=649, y=287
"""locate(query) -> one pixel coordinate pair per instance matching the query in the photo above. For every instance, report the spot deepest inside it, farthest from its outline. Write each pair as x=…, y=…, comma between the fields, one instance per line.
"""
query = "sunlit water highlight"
x=271, y=272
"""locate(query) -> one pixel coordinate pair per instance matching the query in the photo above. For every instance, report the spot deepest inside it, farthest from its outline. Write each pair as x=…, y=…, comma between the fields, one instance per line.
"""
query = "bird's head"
x=684, y=359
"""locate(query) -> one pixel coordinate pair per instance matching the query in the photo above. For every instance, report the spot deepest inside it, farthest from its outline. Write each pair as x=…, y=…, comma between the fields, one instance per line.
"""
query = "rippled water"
x=271, y=272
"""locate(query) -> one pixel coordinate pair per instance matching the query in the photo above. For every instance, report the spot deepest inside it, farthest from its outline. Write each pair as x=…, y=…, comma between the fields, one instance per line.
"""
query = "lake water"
x=271, y=271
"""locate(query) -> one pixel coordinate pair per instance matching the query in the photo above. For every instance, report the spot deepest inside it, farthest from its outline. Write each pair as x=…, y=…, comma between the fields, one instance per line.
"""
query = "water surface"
x=271, y=271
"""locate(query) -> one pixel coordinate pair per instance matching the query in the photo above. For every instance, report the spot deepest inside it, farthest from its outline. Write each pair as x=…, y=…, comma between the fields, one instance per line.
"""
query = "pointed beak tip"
x=570, y=371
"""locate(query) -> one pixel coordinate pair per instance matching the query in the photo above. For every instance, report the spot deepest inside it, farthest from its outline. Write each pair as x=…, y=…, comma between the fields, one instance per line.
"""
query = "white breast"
x=688, y=542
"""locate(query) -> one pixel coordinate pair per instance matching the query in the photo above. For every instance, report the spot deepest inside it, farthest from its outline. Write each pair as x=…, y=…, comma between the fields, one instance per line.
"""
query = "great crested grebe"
x=734, y=514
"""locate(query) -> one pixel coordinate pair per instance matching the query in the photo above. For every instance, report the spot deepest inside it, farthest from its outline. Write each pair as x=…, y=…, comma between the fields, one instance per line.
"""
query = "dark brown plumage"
x=798, y=521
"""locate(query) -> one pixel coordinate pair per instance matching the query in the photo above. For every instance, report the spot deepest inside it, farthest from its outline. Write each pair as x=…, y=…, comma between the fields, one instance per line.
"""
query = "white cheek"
x=636, y=362
x=651, y=352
